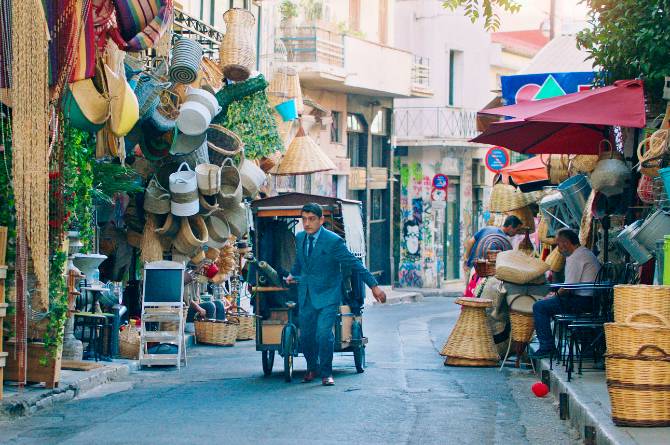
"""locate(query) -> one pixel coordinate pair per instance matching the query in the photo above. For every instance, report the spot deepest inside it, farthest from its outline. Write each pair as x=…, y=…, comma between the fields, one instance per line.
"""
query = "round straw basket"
x=216, y=332
x=522, y=326
x=525, y=214
x=505, y=197
x=485, y=268
x=247, y=323
x=471, y=342
x=648, y=302
x=626, y=338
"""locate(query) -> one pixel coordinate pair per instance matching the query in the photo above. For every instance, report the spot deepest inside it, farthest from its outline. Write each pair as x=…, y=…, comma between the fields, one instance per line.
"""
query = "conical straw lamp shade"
x=304, y=157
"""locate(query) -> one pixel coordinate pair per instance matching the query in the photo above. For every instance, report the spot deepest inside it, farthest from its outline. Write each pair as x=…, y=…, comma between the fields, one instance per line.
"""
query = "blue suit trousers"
x=317, y=338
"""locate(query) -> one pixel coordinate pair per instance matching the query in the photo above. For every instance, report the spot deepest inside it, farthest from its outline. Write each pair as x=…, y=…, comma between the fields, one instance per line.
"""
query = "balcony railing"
x=208, y=36
x=314, y=44
x=421, y=72
x=425, y=123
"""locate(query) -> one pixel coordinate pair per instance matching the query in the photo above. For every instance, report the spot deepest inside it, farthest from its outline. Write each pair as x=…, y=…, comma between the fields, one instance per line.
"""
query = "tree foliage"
x=628, y=39
x=485, y=9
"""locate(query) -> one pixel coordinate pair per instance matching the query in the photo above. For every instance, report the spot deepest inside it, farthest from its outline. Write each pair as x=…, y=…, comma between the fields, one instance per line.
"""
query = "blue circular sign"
x=496, y=159
x=440, y=181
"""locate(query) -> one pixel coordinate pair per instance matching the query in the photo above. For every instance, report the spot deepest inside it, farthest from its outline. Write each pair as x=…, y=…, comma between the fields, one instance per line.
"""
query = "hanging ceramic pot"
x=237, y=53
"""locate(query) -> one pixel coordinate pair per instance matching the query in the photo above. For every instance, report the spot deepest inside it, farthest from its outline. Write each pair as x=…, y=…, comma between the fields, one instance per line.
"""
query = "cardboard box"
x=271, y=331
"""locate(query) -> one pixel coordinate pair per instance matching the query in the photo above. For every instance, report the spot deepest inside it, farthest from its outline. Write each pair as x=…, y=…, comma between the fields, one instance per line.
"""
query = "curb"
x=404, y=297
x=31, y=403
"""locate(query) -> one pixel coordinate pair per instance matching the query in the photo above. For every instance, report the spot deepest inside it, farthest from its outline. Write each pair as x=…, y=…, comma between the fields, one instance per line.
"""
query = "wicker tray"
x=643, y=300
x=214, y=332
x=247, y=323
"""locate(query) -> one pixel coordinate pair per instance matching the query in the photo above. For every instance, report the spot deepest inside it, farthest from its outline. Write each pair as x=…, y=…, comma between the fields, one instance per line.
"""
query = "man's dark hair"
x=312, y=207
x=409, y=223
x=512, y=221
x=569, y=235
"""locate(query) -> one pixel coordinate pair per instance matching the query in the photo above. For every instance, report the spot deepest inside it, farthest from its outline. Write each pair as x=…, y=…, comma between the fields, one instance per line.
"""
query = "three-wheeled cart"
x=276, y=221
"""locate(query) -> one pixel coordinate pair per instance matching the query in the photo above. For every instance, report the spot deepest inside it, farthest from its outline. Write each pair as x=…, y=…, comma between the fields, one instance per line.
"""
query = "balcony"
x=434, y=126
x=327, y=59
x=209, y=37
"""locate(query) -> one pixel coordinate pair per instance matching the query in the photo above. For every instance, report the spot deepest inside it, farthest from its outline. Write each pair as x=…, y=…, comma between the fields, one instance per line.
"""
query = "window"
x=335, y=127
x=378, y=148
x=379, y=123
x=377, y=208
x=455, y=75
x=355, y=123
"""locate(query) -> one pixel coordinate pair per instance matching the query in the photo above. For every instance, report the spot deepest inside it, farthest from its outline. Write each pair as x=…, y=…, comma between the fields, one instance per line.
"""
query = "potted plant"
x=289, y=12
x=313, y=10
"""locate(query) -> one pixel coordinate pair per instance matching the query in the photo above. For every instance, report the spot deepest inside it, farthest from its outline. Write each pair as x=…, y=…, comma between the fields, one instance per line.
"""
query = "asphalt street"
x=406, y=396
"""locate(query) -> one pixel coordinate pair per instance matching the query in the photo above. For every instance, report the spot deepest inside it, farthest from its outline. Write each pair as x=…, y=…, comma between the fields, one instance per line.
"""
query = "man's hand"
x=290, y=280
x=379, y=294
x=202, y=312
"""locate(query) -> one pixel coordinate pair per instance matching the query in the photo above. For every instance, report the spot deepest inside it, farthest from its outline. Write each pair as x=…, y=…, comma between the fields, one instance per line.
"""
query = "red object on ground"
x=540, y=389
x=530, y=170
x=619, y=104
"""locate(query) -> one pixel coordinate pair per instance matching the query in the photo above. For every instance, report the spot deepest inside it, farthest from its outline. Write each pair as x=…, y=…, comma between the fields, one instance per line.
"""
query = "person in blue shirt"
x=489, y=238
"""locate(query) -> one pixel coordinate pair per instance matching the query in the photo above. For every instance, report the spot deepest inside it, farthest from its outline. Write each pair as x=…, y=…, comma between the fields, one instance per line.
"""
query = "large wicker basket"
x=471, y=342
x=485, y=268
x=627, y=338
x=522, y=326
x=505, y=197
x=215, y=332
x=650, y=300
x=247, y=323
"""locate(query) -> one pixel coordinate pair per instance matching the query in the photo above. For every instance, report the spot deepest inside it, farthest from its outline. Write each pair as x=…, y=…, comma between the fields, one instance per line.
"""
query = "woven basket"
x=626, y=338
x=516, y=267
x=505, y=197
x=647, y=302
x=471, y=342
x=525, y=214
x=222, y=143
x=639, y=406
x=557, y=168
x=214, y=332
x=542, y=230
x=555, y=260
x=583, y=163
x=485, y=268
x=522, y=326
x=192, y=235
x=247, y=323
x=129, y=343
x=650, y=366
x=236, y=53
x=650, y=152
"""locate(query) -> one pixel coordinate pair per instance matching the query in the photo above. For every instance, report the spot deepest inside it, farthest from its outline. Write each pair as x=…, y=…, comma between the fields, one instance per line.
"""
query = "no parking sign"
x=496, y=159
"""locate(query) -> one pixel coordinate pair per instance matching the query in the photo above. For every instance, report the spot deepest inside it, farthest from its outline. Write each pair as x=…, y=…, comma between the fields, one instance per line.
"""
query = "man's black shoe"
x=542, y=353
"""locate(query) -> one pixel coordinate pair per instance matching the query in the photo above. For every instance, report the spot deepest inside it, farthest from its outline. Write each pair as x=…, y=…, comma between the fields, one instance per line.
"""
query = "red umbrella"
x=621, y=104
x=543, y=137
x=529, y=170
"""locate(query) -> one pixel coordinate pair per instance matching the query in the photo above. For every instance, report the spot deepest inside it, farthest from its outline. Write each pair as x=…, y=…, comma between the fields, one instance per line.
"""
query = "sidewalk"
x=32, y=398
x=589, y=406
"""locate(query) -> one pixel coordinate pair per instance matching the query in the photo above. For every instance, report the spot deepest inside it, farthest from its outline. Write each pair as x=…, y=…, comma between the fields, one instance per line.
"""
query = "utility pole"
x=552, y=19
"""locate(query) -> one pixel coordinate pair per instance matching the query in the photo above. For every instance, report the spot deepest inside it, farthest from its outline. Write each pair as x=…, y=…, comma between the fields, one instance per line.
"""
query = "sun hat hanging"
x=184, y=192
x=230, y=193
x=237, y=53
x=124, y=107
x=141, y=23
x=611, y=175
x=186, y=57
x=85, y=107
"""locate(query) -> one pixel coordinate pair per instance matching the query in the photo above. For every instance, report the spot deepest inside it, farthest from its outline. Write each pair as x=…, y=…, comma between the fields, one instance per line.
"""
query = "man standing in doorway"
x=321, y=255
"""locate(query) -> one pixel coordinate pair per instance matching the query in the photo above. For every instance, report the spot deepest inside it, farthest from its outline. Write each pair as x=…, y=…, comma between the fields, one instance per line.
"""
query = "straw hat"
x=125, y=111
x=516, y=267
x=303, y=157
x=505, y=197
x=93, y=105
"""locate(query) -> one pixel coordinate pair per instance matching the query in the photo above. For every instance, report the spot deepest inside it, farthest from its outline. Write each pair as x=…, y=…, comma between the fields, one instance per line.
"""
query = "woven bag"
x=555, y=260
x=156, y=198
x=505, y=197
x=518, y=268
x=557, y=168
x=222, y=144
x=656, y=148
x=230, y=193
x=192, y=235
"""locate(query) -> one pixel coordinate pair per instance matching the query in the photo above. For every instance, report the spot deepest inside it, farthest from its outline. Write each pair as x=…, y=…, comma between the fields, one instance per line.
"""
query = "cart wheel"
x=268, y=361
x=359, y=349
x=288, y=345
x=359, y=359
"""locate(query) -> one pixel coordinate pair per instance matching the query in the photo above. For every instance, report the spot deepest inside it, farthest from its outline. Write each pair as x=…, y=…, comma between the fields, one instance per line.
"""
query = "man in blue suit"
x=321, y=255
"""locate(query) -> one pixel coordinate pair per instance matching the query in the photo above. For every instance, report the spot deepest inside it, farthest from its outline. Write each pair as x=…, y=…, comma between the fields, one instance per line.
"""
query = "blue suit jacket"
x=321, y=273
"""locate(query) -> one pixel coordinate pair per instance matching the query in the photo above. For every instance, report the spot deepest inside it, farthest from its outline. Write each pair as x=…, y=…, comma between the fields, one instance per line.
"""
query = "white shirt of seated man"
x=581, y=265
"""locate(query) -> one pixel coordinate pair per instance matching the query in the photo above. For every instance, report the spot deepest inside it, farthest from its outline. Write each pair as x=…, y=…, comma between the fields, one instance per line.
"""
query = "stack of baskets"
x=246, y=322
x=638, y=356
x=216, y=332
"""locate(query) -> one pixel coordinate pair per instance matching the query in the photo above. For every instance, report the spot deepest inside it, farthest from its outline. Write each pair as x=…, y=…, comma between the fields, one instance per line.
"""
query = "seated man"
x=489, y=238
x=581, y=266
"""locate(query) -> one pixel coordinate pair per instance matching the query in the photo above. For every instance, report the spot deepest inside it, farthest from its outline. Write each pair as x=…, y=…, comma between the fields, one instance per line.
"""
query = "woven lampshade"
x=304, y=157
x=278, y=86
x=294, y=91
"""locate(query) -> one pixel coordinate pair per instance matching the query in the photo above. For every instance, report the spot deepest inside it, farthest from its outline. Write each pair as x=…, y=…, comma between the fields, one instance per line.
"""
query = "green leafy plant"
x=288, y=10
x=252, y=119
x=58, y=307
x=313, y=9
x=7, y=208
x=628, y=39
x=111, y=178
x=78, y=184
x=485, y=9
x=343, y=28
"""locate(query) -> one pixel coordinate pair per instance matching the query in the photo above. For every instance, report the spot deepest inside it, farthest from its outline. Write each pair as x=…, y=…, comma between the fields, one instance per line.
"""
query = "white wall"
x=425, y=28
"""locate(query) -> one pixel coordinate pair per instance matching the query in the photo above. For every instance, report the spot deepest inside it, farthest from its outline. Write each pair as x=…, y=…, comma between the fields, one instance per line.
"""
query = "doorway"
x=452, y=231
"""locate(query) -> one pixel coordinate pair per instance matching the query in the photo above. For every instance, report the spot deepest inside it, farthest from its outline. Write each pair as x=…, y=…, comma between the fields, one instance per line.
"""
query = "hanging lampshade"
x=304, y=157
x=294, y=89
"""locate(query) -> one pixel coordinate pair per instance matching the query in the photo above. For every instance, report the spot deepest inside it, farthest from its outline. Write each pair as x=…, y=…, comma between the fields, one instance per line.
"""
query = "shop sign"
x=440, y=181
x=496, y=159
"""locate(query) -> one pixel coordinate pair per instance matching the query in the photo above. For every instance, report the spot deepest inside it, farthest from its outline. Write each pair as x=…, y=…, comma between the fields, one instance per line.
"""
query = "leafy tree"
x=628, y=39
x=476, y=9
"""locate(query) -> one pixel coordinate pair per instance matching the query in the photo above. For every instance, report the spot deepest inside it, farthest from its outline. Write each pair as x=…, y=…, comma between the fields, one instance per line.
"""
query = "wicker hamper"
x=247, y=323
x=650, y=300
x=215, y=332
x=471, y=342
x=522, y=326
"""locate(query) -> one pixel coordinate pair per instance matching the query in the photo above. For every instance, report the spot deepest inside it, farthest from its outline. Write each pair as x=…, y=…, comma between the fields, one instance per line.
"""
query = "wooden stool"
x=471, y=341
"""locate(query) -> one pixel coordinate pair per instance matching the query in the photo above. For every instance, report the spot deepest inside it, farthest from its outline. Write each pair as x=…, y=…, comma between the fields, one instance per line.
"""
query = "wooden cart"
x=277, y=330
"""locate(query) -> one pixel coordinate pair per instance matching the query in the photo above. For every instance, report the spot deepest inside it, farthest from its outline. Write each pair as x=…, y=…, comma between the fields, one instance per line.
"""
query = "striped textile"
x=84, y=60
x=142, y=22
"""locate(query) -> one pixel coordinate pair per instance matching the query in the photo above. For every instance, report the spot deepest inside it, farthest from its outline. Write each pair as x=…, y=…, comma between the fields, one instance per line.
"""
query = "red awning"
x=529, y=170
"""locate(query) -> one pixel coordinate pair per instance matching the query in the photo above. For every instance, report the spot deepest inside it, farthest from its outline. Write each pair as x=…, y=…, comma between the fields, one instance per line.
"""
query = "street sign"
x=438, y=194
x=440, y=181
x=496, y=159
